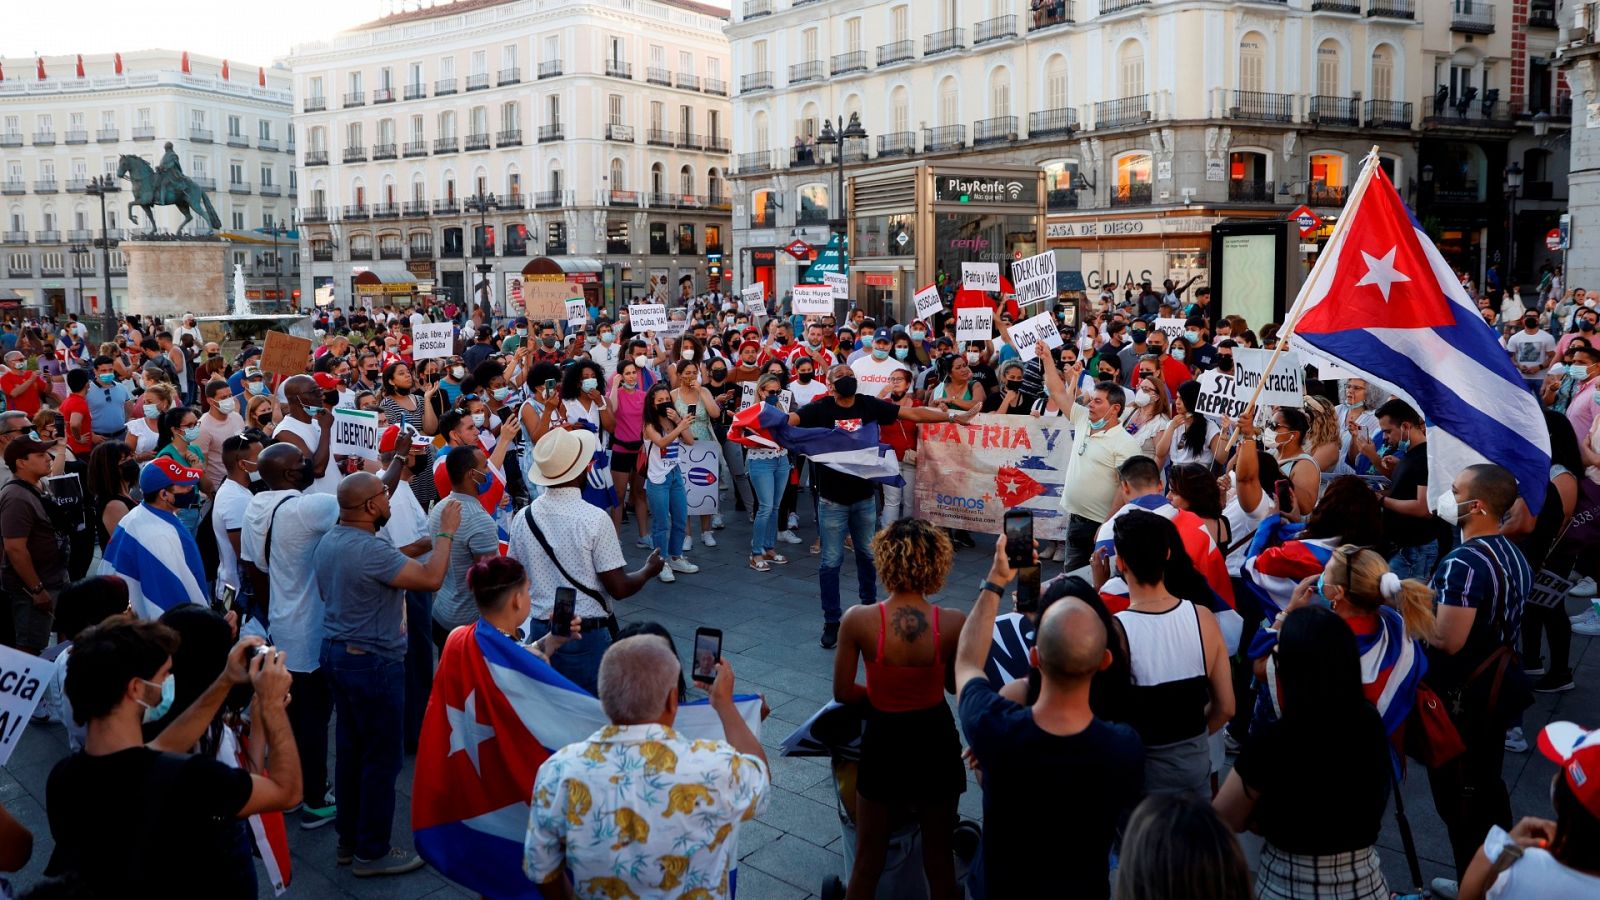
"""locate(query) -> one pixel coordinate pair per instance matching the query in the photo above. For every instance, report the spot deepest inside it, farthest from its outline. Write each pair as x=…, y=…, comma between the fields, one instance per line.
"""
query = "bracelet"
x=991, y=586
x=449, y=535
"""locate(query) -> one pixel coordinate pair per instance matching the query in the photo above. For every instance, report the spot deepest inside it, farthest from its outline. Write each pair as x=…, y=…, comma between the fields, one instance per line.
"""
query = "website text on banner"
x=647, y=316
x=838, y=283
x=1026, y=335
x=980, y=276
x=928, y=302
x=1035, y=278
x=355, y=432
x=433, y=341
x=974, y=324
x=813, y=299
x=969, y=475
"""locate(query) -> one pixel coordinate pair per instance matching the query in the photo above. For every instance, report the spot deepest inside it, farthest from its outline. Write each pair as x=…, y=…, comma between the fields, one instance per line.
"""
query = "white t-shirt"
x=872, y=375
x=805, y=393
x=141, y=437
x=1242, y=523
x=227, y=514
x=1536, y=876
x=295, y=614
x=406, y=518
x=1531, y=350
x=1180, y=455
x=311, y=434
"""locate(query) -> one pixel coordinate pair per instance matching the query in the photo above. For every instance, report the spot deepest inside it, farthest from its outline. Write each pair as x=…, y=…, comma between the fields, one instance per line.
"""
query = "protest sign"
x=974, y=324
x=747, y=394
x=1026, y=335
x=355, y=433
x=980, y=276
x=968, y=475
x=548, y=299
x=22, y=683
x=647, y=316
x=1280, y=387
x=432, y=341
x=928, y=302
x=577, y=314
x=1172, y=328
x=839, y=283
x=1035, y=277
x=285, y=354
x=701, y=463
x=754, y=299
x=812, y=299
x=675, y=328
x=1549, y=589
x=1216, y=400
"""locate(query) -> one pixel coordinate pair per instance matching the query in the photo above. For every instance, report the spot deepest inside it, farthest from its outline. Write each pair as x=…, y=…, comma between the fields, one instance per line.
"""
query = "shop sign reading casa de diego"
x=1103, y=228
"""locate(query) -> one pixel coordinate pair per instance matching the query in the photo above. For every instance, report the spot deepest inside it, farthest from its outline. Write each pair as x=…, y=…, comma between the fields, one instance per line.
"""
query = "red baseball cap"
x=387, y=440
x=1577, y=751
x=750, y=342
x=326, y=381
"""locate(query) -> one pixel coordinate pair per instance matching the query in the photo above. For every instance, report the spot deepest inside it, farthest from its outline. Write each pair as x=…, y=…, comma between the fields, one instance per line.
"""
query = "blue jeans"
x=1415, y=562
x=768, y=477
x=369, y=692
x=669, y=513
x=577, y=661
x=833, y=519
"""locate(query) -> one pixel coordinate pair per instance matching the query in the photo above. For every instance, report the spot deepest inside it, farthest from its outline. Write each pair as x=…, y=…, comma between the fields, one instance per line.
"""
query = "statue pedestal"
x=170, y=278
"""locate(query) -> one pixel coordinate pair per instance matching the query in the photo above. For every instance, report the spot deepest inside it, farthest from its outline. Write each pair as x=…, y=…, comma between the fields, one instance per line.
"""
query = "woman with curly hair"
x=1322, y=440
x=910, y=752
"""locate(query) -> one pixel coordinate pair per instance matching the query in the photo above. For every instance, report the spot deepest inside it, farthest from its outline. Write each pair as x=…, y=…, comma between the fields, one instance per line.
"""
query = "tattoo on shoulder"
x=909, y=623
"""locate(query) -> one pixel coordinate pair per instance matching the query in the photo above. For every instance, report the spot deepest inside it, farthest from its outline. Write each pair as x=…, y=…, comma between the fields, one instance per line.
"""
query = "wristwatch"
x=988, y=585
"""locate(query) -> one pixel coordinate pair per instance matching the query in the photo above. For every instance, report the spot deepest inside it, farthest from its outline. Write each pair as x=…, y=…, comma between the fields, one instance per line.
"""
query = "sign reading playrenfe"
x=1022, y=190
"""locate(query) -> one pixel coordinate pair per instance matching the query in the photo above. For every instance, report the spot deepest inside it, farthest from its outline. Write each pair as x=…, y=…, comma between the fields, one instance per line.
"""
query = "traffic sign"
x=1552, y=241
x=1307, y=220
x=798, y=249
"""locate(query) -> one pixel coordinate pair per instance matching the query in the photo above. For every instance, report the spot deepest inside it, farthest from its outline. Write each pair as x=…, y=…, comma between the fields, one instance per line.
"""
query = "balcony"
x=446, y=145
x=1124, y=111
x=361, y=254
x=1046, y=123
x=759, y=161
x=716, y=144
x=1338, y=6
x=620, y=198
x=21, y=264
x=658, y=75
x=414, y=208
x=686, y=81
x=391, y=252
x=755, y=81
x=1059, y=199
x=269, y=190
x=996, y=29
x=1130, y=195
x=14, y=237
x=1471, y=17
x=690, y=141
x=754, y=8
x=206, y=182
x=810, y=70
x=44, y=138
x=11, y=139
x=1466, y=111
x=616, y=68
x=355, y=154
x=144, y=132
x=842, y=63
x=896, y=51
x=897, y=143
x=420, y=250
x=316, y=157
x=78, y=136
x=550, y=68
x=1259, y=106
x=266, y=144
x=802, y=155
x=552, y=199
x=385, y=151
x=998, y=130
x=49, y=236
x=715, y=86
x=314, y=104
x=447, y=207
x=1241, y=190
x=239, y=187
x=1327, y=110
x=46, y=186
x=1320, y=194
x=509, y=137
x=386, y=211
x=1108, y=7
x=1057, y=13
x=946, y=41
x=720, y=203
x=444, y=86
x=200, y=135
x=106, y=136
x=1392, y=9
x=415, y=148
x=513, y=202
x=52, y=266
x=357, y=212
x=478, y=82
x=322, y=256
x=512, y=75
x=1542, y=16
x=382, y=95
x=477, y=142
x=416, y=92
x=623, y=133
x=77, y=185
x=355, y=98
x=554, y=132
x=13, y=186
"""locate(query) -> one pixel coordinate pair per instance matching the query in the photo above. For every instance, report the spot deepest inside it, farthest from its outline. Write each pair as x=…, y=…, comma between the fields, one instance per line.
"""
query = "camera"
x=261, y=650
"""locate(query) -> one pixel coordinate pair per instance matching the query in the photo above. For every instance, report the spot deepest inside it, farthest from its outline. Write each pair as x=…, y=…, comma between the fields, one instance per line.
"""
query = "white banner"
x=701, y=465
x=928, y=302
x=1172, y=328
x=980, y=276
x=1026, y=335
x=1282, y=386
x=22, y=683
x=433, y=341
x=355, y=433
x=1035, y=277
x=1216, y=400
x=647, y=316
x=839, y=283
x=577, y=313
x=974, y=324
x=675, y=328
x=813, y=299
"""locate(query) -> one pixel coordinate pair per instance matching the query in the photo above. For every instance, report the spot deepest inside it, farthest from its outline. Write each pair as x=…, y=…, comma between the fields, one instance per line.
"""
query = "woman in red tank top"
x=910, y=750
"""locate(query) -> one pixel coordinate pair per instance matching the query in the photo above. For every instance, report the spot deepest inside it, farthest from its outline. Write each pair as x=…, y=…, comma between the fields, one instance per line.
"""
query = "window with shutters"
x=1000, y=93
x=1328, y=68
x=1130, y=69
x=614, y=109
x=1253, y=62
x=899, y=24
x=758, y=57
x=808, y=45
x=852, y=34
x=949, y=102
x=1055, y=83
x=900, y=109
x=1383, y=72
x=618, y=180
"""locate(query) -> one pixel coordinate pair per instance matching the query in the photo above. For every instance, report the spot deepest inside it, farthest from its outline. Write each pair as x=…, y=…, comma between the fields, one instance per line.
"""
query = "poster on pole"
x=974, y=324
x=577, y=314
x=22, y=684
x=1026, y=335
x=838, y=283
x=1280, y=387
x=928, y=302
x=1172, y=328
x=980, y=276
x=355, y=433
x=647, y=316
x=813, y=299
x=432, y=341
x=1035, y=277
x=968, y=475
x=285, y=354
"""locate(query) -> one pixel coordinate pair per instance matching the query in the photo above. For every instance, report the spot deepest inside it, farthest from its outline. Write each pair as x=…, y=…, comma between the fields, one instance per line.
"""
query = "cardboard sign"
x=22, y=683
x=1549, y=591
x=839, y=283
x=754, y=299
x=355, y=433
x=577, y=313
x=547, y=299
x=813, y=299
x=433, y=341
x=974, y=324
x=647, y=316
x=285, y=354
x=1035, y=277
x=1280, y=387
x=1026, y=335
x=977, y=276
x=1172, y=328
x=928, y=302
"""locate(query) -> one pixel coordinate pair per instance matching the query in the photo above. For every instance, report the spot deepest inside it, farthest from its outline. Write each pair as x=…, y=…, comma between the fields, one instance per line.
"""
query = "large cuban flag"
x=497, y=712
x=1384, y=303
x=853, y=448
x=154, y=554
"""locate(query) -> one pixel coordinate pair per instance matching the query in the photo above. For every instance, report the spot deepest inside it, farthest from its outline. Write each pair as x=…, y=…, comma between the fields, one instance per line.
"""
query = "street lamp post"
x=1513, y=187
x=852, y=131
x=481, y=204
x=101, y=186
x=79, y=251
x=277, y=230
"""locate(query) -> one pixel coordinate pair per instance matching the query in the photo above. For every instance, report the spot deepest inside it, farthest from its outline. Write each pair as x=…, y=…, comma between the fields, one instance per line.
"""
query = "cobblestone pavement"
x=771, y=623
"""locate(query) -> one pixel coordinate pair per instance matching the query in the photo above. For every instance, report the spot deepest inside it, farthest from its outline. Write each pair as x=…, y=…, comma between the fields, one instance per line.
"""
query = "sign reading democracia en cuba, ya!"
x=968, y=475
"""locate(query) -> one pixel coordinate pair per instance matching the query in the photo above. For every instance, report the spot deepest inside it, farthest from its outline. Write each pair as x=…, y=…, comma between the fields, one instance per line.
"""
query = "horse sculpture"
x=183, y=193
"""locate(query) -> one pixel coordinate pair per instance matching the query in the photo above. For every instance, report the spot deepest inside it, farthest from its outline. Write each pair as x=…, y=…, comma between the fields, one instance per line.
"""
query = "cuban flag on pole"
x=852, y=447
x=497, y=712
x=154, y=554
x=1382, y=302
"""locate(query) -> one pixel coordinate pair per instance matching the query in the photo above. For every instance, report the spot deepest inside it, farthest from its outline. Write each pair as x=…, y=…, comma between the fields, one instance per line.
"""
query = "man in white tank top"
x=306, y=425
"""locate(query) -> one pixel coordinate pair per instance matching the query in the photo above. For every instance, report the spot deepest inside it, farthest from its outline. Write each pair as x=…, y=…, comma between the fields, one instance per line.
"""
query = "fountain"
x=240, y=324
x=241, y=303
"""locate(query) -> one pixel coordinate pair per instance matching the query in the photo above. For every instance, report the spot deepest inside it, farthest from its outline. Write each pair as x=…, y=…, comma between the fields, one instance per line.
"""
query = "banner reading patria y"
x=969, y=475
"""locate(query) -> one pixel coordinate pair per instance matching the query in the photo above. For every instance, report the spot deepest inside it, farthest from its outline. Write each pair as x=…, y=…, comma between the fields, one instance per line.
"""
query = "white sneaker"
x=789, y=537
x=666, y=574
x=1515, y=742
x=1587, y=624
x=710, y=539
x=1584, y=588
x=794, y=521
x=642, y=543
x=1589, y=614
x=688, y=542
x=679, y=564
x=716, y=522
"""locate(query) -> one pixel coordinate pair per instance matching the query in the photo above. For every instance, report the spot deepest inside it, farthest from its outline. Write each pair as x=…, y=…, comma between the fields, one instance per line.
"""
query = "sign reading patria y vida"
x=1022, y=190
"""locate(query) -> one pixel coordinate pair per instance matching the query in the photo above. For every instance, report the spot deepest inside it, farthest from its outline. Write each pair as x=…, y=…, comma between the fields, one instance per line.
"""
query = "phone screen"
x=561, y=614
x=692, y=407
x=1283, y=493
x=230, y=594
x=549, y=384
x=1019, y=555
x=707, y=653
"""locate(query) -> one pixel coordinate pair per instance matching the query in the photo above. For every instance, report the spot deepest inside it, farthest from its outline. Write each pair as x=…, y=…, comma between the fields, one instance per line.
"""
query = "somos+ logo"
x=949, y=501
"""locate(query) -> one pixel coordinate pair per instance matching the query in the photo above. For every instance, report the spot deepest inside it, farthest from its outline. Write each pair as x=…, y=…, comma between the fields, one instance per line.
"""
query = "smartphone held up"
x=1018, y=524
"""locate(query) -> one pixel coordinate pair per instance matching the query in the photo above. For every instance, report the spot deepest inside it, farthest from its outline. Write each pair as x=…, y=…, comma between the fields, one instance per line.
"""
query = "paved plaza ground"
x=770, y=623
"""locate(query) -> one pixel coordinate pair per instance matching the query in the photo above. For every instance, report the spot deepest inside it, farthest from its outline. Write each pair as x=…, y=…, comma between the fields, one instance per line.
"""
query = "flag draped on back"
x=854, y=451
x=496, y=714
x=154, y=554
x=1385, y=304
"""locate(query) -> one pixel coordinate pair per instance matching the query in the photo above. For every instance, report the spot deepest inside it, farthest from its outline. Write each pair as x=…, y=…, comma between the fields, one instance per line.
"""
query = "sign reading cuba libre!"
x=1022, y=190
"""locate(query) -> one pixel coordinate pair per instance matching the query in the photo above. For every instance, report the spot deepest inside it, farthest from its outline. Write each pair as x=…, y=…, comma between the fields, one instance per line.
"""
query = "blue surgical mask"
x=1192, y=337
x=1319, y=597
x=879, y=355
x=151, y=411
x=192, y=434
x=590, y=384
x=1179, y=355
x=902, y=352
x=501, y=393
x=918, y=334
x=169, y=690
x=607, y=337
x=312, y=411
x=1097, y=424
x=256, y=388
x=108, y=378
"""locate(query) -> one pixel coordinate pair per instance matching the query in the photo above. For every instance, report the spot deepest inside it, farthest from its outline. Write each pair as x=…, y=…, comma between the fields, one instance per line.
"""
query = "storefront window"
x=1058, y=178
x=555, y=243
x=686, y=240
x=885, y=236
x=658, y=238
x=1132, y=184
x=516, y=240
x=1327, y=179
x=617, y=236
x=967, y=237
x=763, y=211
x=813, y=205
x=452, y=244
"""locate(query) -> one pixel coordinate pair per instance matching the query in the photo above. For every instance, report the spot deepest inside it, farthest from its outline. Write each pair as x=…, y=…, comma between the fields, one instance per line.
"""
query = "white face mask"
x=973, y=358
x=687, y=353
x=1140, y=398
x=477, y=419
x=458, y=372
x=1449, y=508
x=226, y=405
x=641, y=360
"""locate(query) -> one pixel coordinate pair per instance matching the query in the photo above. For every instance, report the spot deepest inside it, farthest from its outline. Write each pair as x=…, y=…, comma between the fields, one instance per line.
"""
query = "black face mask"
x=1224, y=364
x=804, y=377
x=718, y=374
x=845, y=387
x=1013, y=384
x=1107, y=375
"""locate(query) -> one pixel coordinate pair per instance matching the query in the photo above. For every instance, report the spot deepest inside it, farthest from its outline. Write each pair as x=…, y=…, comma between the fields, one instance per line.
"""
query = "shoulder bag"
x=611, y=617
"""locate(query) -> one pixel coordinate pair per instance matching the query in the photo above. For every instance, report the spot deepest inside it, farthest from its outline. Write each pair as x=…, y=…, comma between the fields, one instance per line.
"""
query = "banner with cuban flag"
x=1384, y=304
x=497, y=712
x=857, y=450
x=154, y=554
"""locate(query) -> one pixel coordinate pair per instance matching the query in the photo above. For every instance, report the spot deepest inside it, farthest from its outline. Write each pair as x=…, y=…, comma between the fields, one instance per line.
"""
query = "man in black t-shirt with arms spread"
x=848, y=502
